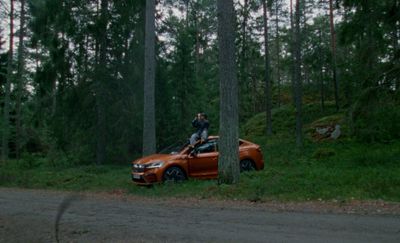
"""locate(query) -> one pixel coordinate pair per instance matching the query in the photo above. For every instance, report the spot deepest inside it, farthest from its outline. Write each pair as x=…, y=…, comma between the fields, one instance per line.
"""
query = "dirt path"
x=29, y=215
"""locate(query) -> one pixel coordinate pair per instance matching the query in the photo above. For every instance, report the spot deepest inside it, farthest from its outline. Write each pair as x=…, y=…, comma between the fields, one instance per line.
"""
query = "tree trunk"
x=292, y=51
x=6, y=114
x=370, y=79
x=102, y=78
x=298, y=82
x=86, y=60
x=248, y=103
x=268, y=85
x=244, y=42
x=37, y=98
x=321, y=73
x=37, y=59
x=228, y=163
x=187, y=12
x=333, y=44
x=197, y=45
x=54, y=98
x=396, y=49
x=347, y=86
x=2, y=42
x=21, y=69
x=278, y=50
x=149, y=126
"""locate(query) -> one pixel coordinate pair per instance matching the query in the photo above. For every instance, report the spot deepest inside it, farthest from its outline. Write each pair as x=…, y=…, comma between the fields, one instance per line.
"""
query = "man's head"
x=203, y=116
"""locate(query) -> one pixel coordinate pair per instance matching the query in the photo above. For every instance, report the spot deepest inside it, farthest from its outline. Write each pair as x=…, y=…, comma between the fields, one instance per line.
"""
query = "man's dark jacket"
x=200, y=125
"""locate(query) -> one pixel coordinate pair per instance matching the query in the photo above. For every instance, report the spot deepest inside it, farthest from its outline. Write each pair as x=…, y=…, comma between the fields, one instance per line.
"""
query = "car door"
x=203, y=163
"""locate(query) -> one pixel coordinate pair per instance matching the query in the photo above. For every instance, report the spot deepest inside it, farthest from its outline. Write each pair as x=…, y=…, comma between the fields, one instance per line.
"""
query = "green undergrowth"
x=336, y=170
x=342, y=169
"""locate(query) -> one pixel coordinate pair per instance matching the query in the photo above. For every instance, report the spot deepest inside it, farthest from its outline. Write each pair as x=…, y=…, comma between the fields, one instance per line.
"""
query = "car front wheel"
x=174, y=174
x=246, y=165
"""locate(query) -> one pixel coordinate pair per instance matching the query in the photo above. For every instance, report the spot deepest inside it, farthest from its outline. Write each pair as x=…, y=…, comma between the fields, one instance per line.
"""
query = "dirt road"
x=29, y=215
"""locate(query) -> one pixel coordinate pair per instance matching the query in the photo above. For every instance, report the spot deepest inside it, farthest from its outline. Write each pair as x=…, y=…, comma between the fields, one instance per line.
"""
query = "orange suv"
x=180, y=161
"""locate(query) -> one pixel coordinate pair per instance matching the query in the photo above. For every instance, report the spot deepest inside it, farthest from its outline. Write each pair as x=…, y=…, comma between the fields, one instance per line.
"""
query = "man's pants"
x=195, y=136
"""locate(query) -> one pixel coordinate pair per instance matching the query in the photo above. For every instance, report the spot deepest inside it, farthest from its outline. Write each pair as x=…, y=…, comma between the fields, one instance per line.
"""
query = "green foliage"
x=187, y=75
x=66, y=81
x=30, y=161
x=376, y=115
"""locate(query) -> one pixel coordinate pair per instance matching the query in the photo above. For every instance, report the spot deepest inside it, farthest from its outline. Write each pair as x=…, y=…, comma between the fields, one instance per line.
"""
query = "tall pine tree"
x=149, y=123
x=228, y=161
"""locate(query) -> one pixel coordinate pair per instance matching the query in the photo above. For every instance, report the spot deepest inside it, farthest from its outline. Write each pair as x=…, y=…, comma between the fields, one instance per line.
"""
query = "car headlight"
x=138, y=166
x=155, y=164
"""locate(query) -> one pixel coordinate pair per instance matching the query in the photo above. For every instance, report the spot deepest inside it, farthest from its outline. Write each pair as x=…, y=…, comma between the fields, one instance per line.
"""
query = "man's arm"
x=195, y=123
x=206, y=124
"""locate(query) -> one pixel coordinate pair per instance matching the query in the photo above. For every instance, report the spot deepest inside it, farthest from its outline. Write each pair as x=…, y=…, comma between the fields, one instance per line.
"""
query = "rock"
x=336, y=133
x=327, y=132
x=322, y=131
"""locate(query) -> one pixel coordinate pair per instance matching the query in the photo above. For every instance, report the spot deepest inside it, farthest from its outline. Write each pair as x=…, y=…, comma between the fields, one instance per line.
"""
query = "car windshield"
x=174, y=148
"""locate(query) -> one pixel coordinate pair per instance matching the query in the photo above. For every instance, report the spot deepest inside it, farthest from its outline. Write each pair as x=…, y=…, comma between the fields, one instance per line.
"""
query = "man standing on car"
x=201, y=124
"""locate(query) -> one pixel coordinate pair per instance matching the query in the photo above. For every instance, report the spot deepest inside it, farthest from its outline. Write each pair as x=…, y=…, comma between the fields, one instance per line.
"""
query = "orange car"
x=180, y=161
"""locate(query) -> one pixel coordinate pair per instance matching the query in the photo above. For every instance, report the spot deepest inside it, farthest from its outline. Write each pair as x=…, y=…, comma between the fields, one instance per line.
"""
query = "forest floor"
x=29, y=216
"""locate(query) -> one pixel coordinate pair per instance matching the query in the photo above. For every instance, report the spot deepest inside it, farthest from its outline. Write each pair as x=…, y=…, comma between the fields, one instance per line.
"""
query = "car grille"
x=141, y=180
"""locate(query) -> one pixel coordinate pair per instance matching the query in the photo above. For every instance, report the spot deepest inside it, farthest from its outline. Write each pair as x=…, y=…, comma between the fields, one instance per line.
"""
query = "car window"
x=174, y=148
x=208, y=147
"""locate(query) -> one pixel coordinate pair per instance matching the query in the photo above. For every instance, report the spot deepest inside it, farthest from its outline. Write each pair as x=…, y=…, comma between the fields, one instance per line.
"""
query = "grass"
x=343, y=170
x=348, y=171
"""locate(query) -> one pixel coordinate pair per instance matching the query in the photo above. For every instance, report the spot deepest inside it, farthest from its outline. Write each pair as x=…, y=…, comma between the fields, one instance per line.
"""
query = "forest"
x=73, y=90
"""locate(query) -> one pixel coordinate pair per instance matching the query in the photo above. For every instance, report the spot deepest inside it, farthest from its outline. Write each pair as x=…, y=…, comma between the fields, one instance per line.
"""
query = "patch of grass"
x=353, y=171
x=322, y=153
x=342, y=169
